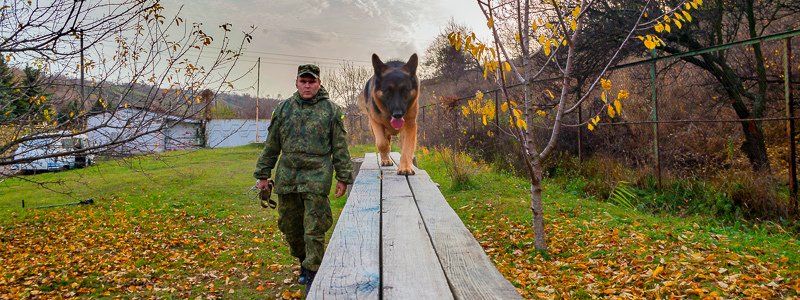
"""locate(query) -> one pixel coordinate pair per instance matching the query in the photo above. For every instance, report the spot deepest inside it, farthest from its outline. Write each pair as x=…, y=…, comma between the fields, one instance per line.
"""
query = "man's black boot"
x=303, y=278
x=310, y=279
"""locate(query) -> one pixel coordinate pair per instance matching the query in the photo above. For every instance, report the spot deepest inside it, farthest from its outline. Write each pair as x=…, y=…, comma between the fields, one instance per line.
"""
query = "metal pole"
x=717, y=48
x=580, y=128
x=787, y=75
x=83, y=94
x=654, y=91
x=258, y=93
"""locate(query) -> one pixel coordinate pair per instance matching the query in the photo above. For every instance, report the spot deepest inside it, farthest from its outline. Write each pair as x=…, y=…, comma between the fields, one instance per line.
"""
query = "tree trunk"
x=754, y=146
x=539, y=241
x=756, y=149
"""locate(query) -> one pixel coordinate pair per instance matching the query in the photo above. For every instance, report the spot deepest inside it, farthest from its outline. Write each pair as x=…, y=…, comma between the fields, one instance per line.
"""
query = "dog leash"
x=265, y=195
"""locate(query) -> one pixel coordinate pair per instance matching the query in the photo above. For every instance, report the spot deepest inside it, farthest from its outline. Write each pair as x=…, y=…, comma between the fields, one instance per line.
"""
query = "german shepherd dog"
x=390, y=100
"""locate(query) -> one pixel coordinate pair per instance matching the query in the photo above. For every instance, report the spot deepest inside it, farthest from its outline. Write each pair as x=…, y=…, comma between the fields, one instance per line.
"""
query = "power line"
x=305, y=56
x=299, y=56
x=278, y=62
x=281, y=61
x=358, y=36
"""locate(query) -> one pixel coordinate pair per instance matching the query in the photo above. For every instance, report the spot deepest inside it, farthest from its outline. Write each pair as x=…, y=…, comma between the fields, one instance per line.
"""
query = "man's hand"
x=263, y=184
x=341, y=188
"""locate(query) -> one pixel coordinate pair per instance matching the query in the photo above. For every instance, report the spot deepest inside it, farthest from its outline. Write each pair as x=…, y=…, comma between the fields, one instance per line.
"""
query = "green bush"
x=460, y=168
x=756, y=195
x=730, y=196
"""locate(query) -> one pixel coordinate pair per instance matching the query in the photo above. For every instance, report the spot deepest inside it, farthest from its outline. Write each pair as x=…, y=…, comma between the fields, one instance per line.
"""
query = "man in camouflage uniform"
x=307, y=130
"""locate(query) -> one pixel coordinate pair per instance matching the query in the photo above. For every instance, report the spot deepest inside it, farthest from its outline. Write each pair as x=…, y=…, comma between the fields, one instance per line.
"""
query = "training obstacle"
x=397, y=238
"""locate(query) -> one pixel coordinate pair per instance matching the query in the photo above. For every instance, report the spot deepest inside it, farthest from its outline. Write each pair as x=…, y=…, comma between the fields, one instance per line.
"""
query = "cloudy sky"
x=292, y=32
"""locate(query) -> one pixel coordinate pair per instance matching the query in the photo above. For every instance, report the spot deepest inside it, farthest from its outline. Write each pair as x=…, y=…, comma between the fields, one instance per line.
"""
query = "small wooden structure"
x=397, y=238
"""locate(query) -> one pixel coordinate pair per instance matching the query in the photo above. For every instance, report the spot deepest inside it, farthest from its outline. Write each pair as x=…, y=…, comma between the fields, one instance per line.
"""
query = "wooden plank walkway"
x=352, y=260
x=411, y=269
x=397, y=238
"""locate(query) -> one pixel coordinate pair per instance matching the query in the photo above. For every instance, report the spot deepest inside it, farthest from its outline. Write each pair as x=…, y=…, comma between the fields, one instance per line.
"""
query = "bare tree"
x=132, y=55
x=344, y=85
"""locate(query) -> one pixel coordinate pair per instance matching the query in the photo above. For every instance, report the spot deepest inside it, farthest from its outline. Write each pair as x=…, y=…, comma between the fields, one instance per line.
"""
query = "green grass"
x=190, y=180
x=508, y=196
x=194, y=204
x=204, y=197
x=585, y=232
x=182, y=224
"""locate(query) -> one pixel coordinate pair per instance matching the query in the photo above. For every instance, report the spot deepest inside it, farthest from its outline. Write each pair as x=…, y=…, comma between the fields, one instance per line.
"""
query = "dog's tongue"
x=397, y=123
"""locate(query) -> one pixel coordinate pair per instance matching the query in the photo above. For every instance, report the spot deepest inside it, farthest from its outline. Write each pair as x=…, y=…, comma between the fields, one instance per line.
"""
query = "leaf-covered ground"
x=183, y=226
x=180, y=225
x=599, y=250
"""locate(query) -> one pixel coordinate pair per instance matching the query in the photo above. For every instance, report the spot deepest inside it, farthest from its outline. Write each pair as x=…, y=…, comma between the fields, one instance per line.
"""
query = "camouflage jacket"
x=311, y=139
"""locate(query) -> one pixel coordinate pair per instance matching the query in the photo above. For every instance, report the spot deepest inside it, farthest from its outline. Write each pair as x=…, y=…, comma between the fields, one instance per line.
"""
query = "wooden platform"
x=397, y=238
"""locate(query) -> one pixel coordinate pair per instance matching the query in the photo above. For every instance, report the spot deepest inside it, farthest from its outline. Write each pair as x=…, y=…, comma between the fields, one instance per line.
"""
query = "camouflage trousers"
x=304, y=218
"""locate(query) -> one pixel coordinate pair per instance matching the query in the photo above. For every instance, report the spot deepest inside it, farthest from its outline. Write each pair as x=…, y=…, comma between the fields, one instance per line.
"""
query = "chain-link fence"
x=680, y=117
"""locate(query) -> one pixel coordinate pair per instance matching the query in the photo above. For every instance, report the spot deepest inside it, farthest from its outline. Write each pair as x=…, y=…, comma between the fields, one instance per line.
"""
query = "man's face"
x=308, y=86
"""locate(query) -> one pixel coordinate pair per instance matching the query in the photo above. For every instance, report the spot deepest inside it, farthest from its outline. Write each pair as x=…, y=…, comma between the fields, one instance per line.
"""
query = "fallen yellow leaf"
x=658, y=270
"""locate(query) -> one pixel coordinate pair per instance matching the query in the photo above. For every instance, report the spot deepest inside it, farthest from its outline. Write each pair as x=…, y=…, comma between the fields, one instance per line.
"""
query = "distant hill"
x=63, y=90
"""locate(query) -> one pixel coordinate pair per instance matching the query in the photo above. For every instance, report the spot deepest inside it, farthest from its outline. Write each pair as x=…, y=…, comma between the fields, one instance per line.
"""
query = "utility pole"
x=258, y=90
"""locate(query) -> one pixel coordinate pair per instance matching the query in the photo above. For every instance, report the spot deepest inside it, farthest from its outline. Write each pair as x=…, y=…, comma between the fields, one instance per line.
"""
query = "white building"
x=140, y=131
x=162, y=132
x=223, y=133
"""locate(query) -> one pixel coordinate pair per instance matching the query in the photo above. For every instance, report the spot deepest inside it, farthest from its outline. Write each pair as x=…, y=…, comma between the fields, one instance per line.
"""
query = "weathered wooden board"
x=370, y=162
x=411, y=269
x=469, y=271
x=350, y=268
x=395, y=156
x=398, y=236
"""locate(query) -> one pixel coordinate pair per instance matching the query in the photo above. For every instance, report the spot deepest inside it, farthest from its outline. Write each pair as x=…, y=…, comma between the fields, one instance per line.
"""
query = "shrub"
x=756, y=194
x=460, y=168
x=730, y=195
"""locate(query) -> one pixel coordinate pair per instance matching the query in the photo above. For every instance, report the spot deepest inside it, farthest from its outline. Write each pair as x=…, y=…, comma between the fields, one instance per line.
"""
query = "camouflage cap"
x=311, y=69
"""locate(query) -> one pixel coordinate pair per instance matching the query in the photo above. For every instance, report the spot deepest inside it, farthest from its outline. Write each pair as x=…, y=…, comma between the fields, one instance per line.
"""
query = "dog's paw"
x=386, y=163
x=408, y=171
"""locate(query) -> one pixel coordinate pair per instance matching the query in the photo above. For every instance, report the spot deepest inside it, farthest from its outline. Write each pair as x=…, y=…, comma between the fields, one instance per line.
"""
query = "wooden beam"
x=350, y=268
x=469, y=271
x=411, y=269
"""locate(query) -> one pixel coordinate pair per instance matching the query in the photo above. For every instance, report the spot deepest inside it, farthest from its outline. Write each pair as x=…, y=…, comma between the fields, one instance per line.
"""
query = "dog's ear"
x=411, y=65
x=378, y=65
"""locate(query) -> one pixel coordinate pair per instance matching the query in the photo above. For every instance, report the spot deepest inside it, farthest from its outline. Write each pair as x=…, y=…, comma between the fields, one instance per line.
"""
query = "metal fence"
x=445, y=120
